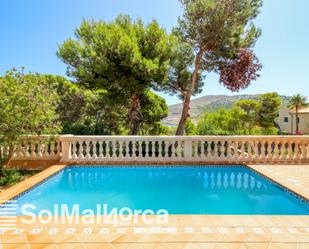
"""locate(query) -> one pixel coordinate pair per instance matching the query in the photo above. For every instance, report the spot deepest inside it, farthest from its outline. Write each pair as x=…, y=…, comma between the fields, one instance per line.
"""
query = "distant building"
x=287, y=120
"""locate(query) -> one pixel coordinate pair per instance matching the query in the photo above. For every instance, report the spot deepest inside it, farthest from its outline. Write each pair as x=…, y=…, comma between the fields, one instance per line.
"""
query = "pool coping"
x=29, y=183
x=282, y=182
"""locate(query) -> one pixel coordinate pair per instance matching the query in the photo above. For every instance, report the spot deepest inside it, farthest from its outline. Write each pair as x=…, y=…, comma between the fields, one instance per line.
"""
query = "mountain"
x=208, y=103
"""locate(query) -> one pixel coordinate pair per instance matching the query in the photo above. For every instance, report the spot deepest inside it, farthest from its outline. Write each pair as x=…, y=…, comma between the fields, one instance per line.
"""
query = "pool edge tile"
x=29, y=183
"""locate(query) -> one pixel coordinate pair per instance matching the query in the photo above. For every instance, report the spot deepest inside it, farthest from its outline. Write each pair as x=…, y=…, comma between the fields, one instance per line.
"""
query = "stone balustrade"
x=36, y=148
x=207, y=149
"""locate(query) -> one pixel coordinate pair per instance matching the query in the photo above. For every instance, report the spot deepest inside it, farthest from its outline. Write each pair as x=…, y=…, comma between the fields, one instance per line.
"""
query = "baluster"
x=159, y=149
x=262, y=155
x=58, y=153
x=268, y=150
x=221, y=149
x=147, y=149
x=227, y=149
x=127, y=149
x=31, y=147
x=39, y=154
x=303, y=150
x=134, y=149
x=169, y=148
x=95, y=152
x=242, y=151
x=175, y=148
x=188, y=149
x=216, y=154
x=140, y=148
x=114, y=149
x=298, y=150
x=172, y=147
x=74, y=150
x=252, y=151
x=121, y=147
x=52, y=151
x=202, y=155
x=88, y=156
x=81, y=150
x=101, y=155
x=180, y=149
x=255, y=156
x=197, y=145
x=195, y=149
x=248, y=150
x=284, y=150
x=290, y=151
x=46, y=152
x=276, y=151
x=81, y=155
x=281, y=149
x=233, y=145
x=107, y=149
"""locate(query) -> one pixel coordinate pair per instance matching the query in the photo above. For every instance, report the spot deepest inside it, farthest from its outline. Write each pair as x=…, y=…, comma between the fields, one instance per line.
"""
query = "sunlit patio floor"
x=183, y=231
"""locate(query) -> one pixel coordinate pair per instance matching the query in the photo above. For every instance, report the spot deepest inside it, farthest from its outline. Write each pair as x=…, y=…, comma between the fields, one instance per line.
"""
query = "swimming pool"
x=178, y=189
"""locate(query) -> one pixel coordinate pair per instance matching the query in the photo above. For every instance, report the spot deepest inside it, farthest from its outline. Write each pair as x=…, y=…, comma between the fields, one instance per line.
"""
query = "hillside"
x=208, y=104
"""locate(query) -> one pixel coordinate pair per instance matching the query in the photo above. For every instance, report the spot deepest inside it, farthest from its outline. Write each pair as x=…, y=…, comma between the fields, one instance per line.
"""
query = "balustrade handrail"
x=215, y=149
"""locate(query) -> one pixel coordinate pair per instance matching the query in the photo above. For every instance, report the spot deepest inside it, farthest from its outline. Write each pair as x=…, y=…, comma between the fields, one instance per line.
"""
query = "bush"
x=10, y=177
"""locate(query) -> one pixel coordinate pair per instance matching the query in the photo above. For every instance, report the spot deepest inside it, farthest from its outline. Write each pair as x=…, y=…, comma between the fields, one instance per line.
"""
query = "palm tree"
x=296, y=102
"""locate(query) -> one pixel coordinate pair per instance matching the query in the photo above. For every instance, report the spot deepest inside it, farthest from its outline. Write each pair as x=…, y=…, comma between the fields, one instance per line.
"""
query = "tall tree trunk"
x=186, y=104
x=134, y=114
x=184, y=116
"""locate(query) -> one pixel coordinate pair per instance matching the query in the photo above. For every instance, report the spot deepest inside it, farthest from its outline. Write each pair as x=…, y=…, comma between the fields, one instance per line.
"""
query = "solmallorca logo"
x=63, y=214
x=8, y=215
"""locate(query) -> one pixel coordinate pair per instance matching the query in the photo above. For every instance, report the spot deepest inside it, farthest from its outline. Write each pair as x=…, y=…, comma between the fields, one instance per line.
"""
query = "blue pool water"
x=180, y=190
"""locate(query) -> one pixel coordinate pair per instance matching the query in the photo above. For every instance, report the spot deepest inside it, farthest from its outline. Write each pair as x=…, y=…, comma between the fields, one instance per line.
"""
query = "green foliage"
x=86, y=112
x=246, y=117
x=269, y=106
x=154, y=109
x=10, y=177
x=179, y=82
x=93, y=112
x=222, y=122
x=219, y=28
x=297, y=101
x=220, y=35
x=124, y=57
x=27, y=107
x=190, y=128
x=250, y=108
x=97, y=114
x=155, y=129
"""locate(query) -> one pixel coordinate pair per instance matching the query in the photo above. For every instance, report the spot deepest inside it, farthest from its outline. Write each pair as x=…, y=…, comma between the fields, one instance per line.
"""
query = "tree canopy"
x=27, y=107
x=246, y=117
x=124, y=57
x=221, y=35
x=269, y=106
x=296, y=102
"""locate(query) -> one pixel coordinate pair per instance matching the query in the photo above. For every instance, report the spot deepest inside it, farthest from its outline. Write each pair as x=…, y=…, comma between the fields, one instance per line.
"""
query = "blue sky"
x=32, y=29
